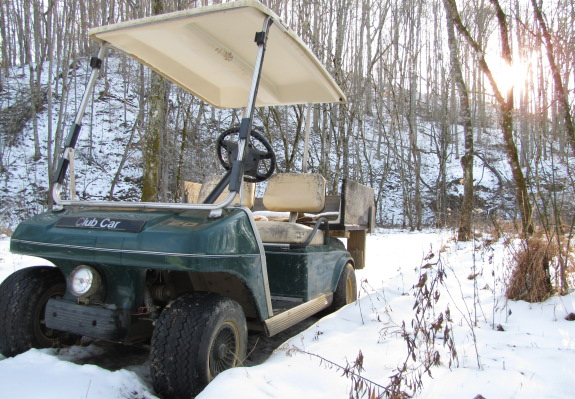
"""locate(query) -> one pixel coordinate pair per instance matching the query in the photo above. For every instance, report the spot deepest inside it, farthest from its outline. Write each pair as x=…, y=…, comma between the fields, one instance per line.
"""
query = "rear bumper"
x=91, y=321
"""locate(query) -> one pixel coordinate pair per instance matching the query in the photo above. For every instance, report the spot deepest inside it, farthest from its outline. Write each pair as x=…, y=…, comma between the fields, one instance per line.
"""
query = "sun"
x=514, y=76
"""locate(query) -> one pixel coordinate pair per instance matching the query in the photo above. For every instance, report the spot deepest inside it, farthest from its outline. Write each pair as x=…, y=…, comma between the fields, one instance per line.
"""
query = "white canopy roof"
x=210, y=52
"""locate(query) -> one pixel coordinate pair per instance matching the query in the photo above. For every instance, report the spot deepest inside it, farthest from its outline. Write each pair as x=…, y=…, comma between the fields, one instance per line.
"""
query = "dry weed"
x=5, y=231
x=530, y=278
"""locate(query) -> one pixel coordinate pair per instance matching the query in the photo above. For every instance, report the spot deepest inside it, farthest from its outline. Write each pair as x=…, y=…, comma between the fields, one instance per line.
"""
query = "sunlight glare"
x=514, y=76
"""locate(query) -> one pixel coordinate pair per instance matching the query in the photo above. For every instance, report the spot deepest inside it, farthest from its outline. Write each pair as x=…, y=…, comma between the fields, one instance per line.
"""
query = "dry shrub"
x=497, y=228
x=5, y=231
x=530, y=279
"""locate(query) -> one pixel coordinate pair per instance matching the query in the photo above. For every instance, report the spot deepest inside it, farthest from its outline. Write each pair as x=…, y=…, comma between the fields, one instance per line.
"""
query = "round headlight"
x=84, y=281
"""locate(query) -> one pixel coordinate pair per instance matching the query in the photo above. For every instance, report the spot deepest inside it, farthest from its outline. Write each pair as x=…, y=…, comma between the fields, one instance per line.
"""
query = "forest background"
x=439, y=94
x=458, y=114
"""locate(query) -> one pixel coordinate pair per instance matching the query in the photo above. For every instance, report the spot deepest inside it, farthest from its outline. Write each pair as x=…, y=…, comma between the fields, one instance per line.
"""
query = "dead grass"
x=531, y=277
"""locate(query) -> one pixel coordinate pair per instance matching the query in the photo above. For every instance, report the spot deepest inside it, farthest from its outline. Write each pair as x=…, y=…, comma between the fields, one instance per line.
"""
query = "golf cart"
x=191, y=278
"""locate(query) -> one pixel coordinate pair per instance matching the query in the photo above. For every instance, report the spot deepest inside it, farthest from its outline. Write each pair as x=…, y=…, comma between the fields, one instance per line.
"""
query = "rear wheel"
x=346, y=291
x=23, y=298
x=196, y=337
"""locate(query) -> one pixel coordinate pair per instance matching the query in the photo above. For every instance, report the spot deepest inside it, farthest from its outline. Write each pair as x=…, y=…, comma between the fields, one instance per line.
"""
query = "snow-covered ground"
x=504, y=349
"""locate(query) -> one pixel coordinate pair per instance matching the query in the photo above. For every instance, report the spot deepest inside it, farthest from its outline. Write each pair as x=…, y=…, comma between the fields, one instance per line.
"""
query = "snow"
x=530, y=357
x=41, y=373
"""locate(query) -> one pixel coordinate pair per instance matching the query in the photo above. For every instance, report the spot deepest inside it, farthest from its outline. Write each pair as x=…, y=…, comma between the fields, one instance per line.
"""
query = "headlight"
x=84, y=281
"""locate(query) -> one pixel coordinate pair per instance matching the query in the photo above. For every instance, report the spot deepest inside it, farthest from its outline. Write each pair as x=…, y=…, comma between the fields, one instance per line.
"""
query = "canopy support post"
x=246, y=123
x=306, y=138
x=72, y=137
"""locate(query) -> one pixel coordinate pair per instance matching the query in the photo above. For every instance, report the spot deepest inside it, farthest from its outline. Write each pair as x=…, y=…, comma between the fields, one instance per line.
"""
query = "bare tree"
x=561, y=94
x=505, y=106
x=157, y=125
x=465, y=224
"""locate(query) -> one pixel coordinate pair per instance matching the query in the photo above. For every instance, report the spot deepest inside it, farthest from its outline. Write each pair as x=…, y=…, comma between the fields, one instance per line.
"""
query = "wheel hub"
x=221, y=352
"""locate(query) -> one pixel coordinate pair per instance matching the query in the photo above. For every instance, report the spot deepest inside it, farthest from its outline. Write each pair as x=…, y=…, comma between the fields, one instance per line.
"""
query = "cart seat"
x=294, y=193
x=248, y=196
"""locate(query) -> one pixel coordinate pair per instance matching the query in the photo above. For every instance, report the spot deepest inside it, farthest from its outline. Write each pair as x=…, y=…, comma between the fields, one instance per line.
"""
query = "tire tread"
x=19, y=294
x=175, y=355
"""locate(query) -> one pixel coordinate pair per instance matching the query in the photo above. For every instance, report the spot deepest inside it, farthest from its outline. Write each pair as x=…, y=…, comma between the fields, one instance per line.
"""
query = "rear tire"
x=346, y=291
x=23, y=298
x=196, y=337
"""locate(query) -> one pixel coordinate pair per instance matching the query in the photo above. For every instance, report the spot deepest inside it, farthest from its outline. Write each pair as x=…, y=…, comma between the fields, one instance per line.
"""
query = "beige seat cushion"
x=292, y=192
x=212, y=182
x=191, y=192
x=287, y=233
x=295, y=192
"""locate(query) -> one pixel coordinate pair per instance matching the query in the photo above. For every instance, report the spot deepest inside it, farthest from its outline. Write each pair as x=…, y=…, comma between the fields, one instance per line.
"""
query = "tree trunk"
x=5, y=40
x=34, y=94
x=507, y=126
x=466, y=221
x=152, y=152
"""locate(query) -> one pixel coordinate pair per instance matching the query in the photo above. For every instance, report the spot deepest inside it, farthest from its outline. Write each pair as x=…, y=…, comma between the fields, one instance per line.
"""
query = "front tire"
x=196, y=337
x=23, y=298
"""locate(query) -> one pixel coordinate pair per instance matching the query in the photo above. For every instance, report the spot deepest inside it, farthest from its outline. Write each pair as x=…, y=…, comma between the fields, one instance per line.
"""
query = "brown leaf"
x=422, y=280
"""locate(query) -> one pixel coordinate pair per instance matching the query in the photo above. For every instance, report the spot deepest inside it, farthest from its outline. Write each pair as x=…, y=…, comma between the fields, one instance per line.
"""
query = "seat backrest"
x=191, y=192
x=210, y=183
x=295, y=192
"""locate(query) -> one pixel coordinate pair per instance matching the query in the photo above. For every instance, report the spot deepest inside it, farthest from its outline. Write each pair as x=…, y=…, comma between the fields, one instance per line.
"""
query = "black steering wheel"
x=260, y=159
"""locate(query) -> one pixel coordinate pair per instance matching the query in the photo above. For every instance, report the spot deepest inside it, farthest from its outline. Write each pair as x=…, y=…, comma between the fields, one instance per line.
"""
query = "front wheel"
x=196, y=337
x=23, y=298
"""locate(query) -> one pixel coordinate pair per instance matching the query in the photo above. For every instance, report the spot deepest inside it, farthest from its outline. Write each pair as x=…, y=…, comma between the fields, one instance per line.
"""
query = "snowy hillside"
x=494, y=347
x=112, y=123
x=106, y=131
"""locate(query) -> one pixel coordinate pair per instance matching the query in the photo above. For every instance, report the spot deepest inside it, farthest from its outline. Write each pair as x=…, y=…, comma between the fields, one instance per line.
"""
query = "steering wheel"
x=260, y=159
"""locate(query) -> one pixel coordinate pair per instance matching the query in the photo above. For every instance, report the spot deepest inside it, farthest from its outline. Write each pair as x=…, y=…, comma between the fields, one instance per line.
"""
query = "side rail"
x=356, y=218
x=357, y=206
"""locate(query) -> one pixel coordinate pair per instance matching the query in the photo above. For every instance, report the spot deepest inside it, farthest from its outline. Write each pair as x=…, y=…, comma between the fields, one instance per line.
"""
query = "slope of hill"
x=112, y=124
